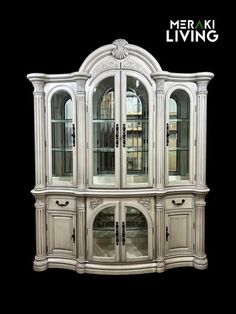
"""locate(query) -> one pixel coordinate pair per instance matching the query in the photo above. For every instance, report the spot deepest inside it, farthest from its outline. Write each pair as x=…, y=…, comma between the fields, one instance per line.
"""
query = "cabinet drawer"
x=176, y=202
x=61, y=202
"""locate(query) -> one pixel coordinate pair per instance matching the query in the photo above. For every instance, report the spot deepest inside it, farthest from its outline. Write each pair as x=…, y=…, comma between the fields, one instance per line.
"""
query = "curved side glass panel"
x=179, y=134
x=61, y=127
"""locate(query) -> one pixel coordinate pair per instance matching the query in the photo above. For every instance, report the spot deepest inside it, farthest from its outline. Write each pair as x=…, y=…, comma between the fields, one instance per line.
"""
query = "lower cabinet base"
x=121, y=269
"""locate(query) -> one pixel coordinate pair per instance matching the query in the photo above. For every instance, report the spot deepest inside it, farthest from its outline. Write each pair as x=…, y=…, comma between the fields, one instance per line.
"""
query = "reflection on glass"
x=137, y=131
x=61, y=121
x=179, y=136
x=104, y=233
x=136, y=233
x=103, y=132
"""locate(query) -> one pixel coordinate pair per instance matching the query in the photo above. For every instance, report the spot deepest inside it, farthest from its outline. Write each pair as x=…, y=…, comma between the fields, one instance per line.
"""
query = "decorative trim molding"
x=130, y=64
x=160, y=86
x=146, y=203
x=105, y=66
x=120, y=52
x=95, y=203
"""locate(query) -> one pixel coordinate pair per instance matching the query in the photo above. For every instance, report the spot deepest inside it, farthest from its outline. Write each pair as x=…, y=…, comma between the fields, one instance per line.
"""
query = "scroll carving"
x=146, y=203
x=94, y=203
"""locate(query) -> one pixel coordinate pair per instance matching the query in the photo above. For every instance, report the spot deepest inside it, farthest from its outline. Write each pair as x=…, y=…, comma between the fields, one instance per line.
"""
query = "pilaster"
x=81, y=240
x=40, y=261
x=201, y=133
x=160, y=132
x=200, y=260
x=81, y=129
x=160, y=230
x=39, y=133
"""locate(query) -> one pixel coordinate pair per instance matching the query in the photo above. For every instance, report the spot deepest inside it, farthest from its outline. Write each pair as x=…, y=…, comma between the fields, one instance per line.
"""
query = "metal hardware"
x=117, y=233
x=167, y=134
x=178, y=204
x=61, y=204
x=124, y=135
x=167, y=234
x=73, y=134
x=117, y=135
x=73, y=235
x=123, y=233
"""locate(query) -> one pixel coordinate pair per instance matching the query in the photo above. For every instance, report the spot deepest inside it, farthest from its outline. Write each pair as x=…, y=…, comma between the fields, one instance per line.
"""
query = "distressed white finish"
x=65, y=210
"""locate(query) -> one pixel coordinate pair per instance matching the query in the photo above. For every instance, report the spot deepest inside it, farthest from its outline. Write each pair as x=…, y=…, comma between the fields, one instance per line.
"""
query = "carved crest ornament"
x=120, y=52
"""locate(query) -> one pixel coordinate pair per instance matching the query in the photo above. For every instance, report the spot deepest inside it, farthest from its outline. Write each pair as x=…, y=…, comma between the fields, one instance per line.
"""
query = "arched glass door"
x=121, y=137
x=121, y=233
x=178, y=136
x=62, y=136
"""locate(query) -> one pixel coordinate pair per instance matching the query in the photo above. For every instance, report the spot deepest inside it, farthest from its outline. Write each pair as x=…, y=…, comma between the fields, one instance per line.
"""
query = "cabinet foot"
x=161, y=265
x=80, y=267
x=200, y=262
x=40, y=263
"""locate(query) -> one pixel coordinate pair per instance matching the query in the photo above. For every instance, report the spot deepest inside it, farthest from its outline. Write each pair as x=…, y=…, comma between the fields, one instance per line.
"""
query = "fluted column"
x=201, y=133
x=39, y=133
x=81, y=129
x=200, y=260
x=40, y=261
x=81, y=240
x=160, y=131
x=160, y=232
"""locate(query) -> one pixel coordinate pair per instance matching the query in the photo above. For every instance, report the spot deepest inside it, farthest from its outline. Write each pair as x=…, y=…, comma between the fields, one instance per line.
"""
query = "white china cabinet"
x=120, y=163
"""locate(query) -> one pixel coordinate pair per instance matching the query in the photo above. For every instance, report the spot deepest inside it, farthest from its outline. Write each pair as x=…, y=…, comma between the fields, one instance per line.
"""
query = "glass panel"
x=61, y=115
x=137, y=131
x=136, y=233
x=179, y=136
x=104, y=233
x=103, y=132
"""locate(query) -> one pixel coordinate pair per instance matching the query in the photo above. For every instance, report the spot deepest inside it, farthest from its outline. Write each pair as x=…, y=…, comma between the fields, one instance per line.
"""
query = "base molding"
x=86, y=267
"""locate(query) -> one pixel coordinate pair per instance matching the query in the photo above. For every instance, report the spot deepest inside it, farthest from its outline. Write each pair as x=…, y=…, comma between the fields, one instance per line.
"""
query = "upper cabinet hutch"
x=120, y=159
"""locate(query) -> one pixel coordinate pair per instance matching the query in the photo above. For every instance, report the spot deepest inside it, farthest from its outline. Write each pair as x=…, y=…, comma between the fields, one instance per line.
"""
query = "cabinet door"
x=61, y=234
x=135, y=234
x=136, y=131
x=179, y=232
x=61, y=137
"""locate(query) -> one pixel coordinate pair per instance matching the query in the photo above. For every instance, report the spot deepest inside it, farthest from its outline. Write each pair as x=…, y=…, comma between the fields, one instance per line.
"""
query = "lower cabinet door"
x=61, y=231
x=179, y=235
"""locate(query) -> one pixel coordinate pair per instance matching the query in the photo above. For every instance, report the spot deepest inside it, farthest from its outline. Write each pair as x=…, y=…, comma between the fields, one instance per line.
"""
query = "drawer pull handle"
x=178, y=204
x=61, y=204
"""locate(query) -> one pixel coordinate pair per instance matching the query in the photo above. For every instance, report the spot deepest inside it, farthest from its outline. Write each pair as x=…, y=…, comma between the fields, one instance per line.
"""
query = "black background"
x=57, y=40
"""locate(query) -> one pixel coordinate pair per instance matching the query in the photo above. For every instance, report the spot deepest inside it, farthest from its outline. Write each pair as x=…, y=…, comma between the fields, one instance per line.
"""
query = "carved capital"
x=95, y=203
x=159, y=204
x=146, y=203
x=38, y=87
x=160, y=86
x=80, y=85
x=202, y=87
x=40, y=202
x=200, y=201
x=81, y=203
x=120, y=52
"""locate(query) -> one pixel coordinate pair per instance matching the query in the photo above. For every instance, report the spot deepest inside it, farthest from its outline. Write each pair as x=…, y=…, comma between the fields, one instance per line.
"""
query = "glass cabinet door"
x=104, y=132
x=62, y=136
x=120, y=233
x=105, y=235
x=135, y=236
x=178, y=136
x=135, y=134
x=120, y=133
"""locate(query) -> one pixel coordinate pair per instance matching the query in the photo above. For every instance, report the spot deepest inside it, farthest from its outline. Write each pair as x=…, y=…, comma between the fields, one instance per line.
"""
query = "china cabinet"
x=120, y=163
